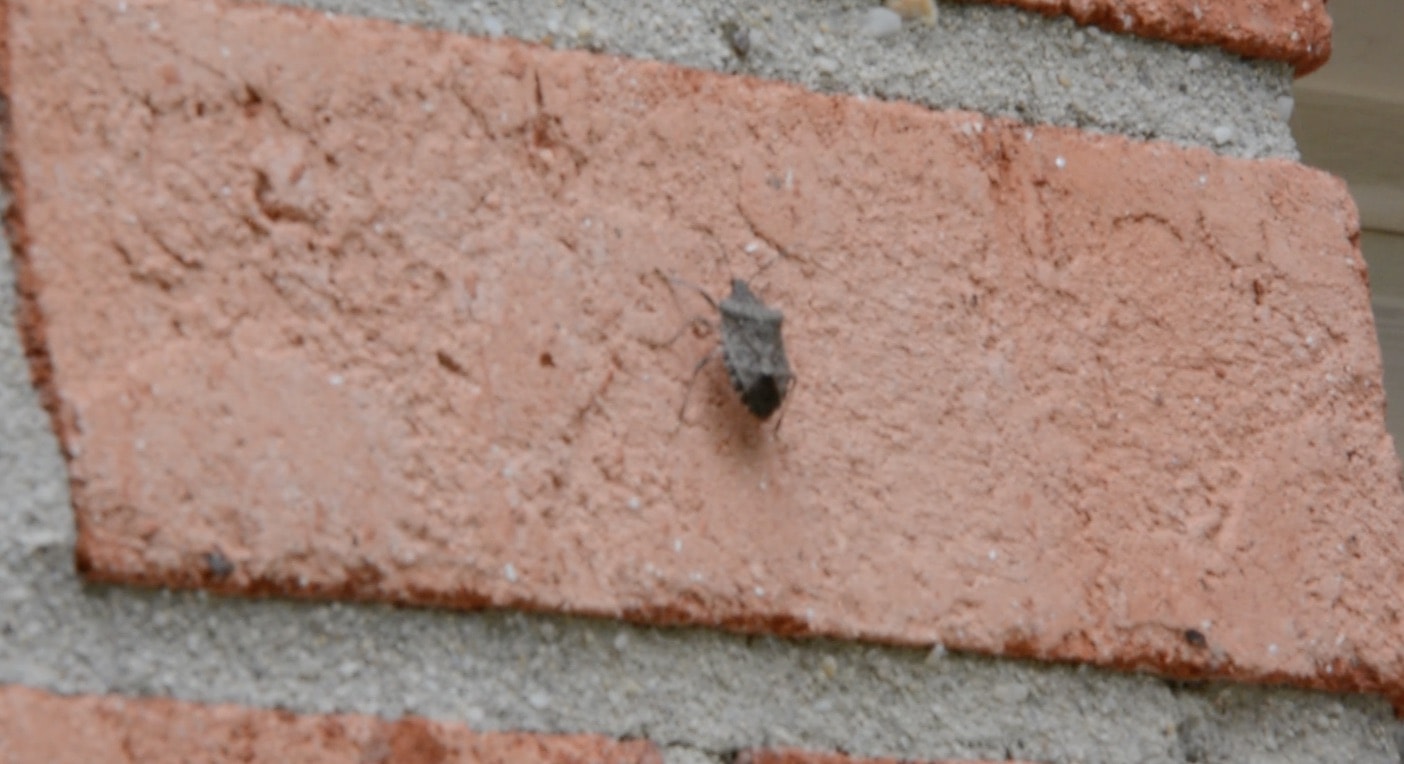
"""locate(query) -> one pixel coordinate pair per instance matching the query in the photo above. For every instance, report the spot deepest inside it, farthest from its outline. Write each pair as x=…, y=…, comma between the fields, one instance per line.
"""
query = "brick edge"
x=1307, y=53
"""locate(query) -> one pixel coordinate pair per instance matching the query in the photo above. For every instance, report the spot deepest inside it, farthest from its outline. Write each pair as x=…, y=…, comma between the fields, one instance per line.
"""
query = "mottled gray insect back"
x=754, y=350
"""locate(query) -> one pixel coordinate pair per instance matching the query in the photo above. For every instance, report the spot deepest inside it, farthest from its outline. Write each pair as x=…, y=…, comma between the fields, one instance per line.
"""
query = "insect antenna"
x=674, y=281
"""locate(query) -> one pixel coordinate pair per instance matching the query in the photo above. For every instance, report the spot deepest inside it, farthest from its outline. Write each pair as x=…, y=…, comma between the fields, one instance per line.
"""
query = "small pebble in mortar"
x=880, y=22
x=914, y=10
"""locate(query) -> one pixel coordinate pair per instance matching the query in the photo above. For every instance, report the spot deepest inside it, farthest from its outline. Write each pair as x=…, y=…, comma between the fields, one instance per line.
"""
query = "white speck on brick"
x=760, y=591
x=993, y=555
x=1204, y=180
x=336, y=380
x=752, y=247
x=1060, y=162
x=634, y=503
x=1272, y=649
x=509, y=572
x=677, y=545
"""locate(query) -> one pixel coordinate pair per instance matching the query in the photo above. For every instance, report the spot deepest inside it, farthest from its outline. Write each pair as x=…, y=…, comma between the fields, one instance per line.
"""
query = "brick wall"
x=328, y=308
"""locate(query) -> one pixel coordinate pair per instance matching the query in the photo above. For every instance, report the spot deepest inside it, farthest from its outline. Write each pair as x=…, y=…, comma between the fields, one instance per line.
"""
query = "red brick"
x=367, y=311
x=1295, y=31
x=798, y=756
x=39, y=727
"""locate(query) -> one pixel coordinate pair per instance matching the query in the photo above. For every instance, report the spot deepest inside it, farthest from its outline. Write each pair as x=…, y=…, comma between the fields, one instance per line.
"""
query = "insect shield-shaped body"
x=753, y=350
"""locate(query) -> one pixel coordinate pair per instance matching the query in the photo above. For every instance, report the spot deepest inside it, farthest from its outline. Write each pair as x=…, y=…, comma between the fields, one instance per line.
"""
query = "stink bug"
x=751, y=348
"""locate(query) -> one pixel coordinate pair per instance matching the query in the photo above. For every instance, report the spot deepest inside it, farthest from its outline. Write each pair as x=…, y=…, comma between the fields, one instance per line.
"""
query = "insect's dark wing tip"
x=763, y=397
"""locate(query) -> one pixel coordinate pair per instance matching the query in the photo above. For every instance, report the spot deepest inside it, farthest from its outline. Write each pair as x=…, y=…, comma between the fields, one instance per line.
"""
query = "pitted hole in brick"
x=450, y=363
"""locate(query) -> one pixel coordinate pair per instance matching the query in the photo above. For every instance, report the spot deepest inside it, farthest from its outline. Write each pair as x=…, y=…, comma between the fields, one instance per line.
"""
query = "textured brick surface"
x=1297, y=31
x=37, y=726
x=333, y=308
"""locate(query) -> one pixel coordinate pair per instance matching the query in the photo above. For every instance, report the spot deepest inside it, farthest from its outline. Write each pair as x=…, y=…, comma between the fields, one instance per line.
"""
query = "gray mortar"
x=699, y=693
x=1000, y=61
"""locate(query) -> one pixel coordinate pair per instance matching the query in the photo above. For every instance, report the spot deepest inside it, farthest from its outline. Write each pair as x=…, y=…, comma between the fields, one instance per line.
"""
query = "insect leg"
x=794, y=382
x=696, y=321
x=706, y=359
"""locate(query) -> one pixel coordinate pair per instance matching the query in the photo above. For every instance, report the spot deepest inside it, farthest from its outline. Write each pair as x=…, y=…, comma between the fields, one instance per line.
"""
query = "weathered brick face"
x=41, y=727
x=1288, y=30
x=375, y=312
